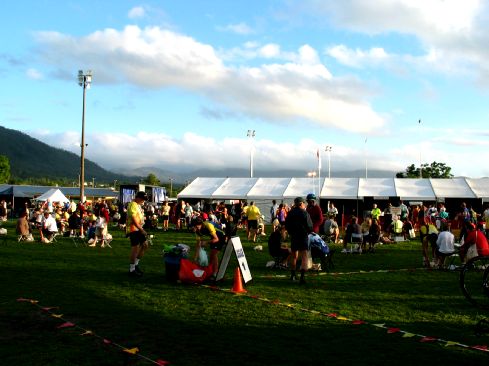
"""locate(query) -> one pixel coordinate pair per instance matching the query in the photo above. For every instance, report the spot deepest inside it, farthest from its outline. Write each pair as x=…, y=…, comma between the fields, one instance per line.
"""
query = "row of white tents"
x=336, y=188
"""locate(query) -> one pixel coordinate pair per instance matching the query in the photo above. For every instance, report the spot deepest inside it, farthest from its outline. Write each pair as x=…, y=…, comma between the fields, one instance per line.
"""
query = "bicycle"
x=474, y=281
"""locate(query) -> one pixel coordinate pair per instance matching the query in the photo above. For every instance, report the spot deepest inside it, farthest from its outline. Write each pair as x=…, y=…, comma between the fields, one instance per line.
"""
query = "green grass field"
x=276, y=322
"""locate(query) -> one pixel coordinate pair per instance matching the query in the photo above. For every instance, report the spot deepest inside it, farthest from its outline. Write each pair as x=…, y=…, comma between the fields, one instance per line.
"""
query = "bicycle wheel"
x=474, y=281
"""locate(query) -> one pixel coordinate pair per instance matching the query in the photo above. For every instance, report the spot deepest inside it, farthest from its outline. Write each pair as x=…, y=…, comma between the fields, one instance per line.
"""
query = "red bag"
x=191, y=272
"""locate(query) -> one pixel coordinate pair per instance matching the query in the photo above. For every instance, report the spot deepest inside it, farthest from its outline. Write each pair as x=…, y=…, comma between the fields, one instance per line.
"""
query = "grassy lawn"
x=277, y=322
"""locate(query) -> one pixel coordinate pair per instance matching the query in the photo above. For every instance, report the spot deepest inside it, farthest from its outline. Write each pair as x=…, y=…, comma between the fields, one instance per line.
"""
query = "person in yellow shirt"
x=208, y=234
x=136, y=233
x=253, y=214
x=375, y=212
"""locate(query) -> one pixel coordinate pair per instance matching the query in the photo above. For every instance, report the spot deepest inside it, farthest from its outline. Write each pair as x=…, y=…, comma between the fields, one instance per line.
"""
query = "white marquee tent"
x=53, y=195
x=336, y=188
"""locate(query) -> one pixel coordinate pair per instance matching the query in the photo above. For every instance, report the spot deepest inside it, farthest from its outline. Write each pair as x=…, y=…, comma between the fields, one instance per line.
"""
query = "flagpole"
x=319, y=174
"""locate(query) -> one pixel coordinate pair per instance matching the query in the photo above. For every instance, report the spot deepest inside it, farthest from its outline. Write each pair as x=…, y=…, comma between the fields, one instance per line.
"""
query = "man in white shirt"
x=444, y=245
x=49, y=227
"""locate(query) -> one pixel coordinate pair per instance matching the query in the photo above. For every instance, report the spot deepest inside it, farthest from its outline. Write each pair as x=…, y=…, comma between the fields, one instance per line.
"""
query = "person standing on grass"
x=253, y=214
x=136, y=233
x=315, y=212
x=299, y=225
x=165, y=215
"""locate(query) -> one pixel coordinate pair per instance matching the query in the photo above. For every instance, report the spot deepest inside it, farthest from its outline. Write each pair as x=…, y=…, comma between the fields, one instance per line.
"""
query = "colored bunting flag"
x=408, y=335
x=428, y=339
x=393, y=330
x=66, y=325
x=131, y=351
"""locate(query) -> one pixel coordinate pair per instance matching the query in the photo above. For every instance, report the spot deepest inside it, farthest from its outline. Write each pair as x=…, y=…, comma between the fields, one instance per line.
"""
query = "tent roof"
x=201, y=188
x=340, y=188
x=234, y=188
x=480, y=187
x=377, y=187
x=335, y=188
x=301, y=187
x=54, y=195
x=452, y=188
x=414, y=189
x=269, y=188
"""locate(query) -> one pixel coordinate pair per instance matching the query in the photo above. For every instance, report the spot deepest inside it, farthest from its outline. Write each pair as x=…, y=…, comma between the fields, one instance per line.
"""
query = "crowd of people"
x=214, y=224
x=49, y=219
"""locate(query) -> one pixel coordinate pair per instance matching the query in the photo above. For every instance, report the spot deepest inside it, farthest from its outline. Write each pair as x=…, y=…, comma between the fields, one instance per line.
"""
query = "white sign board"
x=234, y=243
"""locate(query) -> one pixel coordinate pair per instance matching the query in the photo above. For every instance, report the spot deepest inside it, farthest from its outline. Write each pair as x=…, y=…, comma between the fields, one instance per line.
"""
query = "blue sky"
x=177, y=84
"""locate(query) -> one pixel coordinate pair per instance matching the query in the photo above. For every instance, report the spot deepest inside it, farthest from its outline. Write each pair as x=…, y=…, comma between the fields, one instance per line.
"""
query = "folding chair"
x=356, y=239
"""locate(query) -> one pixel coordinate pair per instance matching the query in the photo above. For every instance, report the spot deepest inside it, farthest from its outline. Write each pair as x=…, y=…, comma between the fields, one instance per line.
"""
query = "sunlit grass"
x=192, y=325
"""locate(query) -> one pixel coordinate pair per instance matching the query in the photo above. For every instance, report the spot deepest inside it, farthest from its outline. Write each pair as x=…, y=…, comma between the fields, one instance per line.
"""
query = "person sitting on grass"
x=444, y=245
x=49, y=228
x=22, y=227
x=277, y=249
x=216, y=239
x=374, y=234
x=331, y=229
x=475, y=236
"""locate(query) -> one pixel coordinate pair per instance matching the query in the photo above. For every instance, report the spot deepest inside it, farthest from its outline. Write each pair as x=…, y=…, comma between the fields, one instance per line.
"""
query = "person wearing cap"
x=136, y=233
x=315, y=212
x=208, y=234
x=299, y=225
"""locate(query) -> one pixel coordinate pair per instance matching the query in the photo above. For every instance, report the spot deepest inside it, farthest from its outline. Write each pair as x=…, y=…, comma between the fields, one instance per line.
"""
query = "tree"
x=152, y=180
x=4, y=169
x=433, y=170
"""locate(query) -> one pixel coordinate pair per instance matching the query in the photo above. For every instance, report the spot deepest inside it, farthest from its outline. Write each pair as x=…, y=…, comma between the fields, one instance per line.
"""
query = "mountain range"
x=31, y=158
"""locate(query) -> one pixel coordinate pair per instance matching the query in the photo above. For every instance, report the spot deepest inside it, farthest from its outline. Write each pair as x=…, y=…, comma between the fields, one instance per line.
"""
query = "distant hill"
x=31, y=158
x=181, y=177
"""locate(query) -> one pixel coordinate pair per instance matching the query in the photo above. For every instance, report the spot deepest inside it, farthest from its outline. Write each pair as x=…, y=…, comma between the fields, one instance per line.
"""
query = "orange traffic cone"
x=238, y=282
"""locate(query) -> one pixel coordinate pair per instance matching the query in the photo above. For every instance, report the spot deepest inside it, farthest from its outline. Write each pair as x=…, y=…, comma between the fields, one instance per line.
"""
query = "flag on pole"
x=319, y=159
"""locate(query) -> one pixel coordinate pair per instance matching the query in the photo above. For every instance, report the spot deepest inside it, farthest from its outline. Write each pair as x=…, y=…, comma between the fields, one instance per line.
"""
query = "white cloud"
x=136, y=12
x=270, y=50
x=34, y=74
x=358, y=58
x=239, y=28
x=193, y=151
x=452, y=34
x=302, y=89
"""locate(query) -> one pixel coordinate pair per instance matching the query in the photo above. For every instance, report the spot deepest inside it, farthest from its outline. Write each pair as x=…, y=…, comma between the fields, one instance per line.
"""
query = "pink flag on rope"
x=428, y=339
x=162, y=362
x=481, y=348
x=393, y=330
x=332, y=315
x=48, y=308
x=356, y=322
x=66, y=325
x=106, y=341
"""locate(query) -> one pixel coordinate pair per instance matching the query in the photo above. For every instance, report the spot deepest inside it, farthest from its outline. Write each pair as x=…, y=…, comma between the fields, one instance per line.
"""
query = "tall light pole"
x=251, y=136
x=328, y=150
x=171, y=187
x=84, y=80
